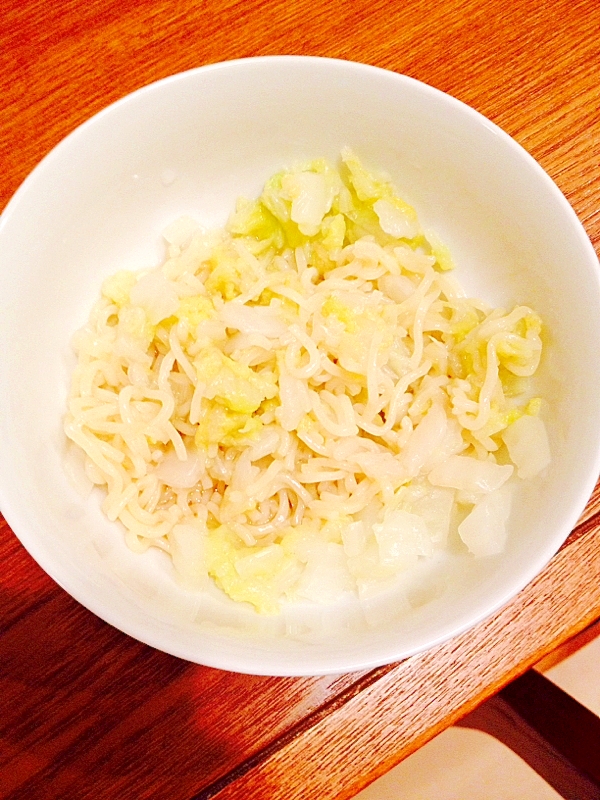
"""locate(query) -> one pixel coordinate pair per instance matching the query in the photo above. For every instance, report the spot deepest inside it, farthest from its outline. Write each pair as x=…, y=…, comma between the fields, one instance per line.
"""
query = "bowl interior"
x=191, y=144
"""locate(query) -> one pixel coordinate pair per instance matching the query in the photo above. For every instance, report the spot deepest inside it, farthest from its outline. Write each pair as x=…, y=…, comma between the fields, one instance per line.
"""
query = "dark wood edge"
x=551, y=731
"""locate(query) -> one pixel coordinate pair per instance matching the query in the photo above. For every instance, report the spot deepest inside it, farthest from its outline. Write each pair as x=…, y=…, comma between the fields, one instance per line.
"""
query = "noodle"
x=286, y=388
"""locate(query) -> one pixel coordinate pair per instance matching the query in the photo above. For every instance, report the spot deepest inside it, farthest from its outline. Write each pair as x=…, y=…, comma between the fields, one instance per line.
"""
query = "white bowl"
x=191, y=144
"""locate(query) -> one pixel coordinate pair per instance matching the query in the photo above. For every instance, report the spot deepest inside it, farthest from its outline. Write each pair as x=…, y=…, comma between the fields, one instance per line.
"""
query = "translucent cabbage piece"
x=311, y=199
x=470, y=474
x=528, y=445
x=156, y=295
x=401, y=537
x=397, y=219
x=484, y=529
x=182, y=474
x=180, y=231
x=326, y=577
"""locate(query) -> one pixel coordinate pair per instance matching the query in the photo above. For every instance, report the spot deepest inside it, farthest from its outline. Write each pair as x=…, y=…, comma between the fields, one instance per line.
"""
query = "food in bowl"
x=306, y=404
x=97, y=203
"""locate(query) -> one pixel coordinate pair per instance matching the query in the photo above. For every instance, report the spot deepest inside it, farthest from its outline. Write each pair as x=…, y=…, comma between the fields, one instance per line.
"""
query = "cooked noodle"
x=272, y=405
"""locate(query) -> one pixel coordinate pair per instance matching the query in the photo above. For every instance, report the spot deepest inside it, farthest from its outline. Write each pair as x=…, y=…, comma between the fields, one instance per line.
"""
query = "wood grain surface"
x=85, y=711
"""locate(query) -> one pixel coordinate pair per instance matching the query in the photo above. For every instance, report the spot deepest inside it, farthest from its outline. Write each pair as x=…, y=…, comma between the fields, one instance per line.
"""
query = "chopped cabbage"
x=117, y=287
x=231, y=383
x=470, y=474
x=156, y=295
x=401, y=538
x=484, y=529
x=528, y=446
x=180, y=231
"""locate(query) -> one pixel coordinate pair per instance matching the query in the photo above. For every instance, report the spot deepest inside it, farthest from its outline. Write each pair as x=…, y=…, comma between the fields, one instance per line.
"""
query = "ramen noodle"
x=305, y=405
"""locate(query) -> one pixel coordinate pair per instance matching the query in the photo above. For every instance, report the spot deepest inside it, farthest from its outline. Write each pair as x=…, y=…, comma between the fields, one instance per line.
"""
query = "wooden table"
x=85, y=711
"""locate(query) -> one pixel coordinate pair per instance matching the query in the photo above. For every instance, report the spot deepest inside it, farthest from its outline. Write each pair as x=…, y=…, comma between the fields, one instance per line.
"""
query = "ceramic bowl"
x=190, y=144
